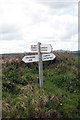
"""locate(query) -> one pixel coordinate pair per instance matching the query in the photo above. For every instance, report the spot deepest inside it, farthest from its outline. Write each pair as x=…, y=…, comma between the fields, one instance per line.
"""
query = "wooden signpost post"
x=40, y=66
x=40, y=49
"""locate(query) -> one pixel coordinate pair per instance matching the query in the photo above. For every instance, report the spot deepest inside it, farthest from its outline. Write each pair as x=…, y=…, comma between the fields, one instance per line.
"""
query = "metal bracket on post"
x=40, y=65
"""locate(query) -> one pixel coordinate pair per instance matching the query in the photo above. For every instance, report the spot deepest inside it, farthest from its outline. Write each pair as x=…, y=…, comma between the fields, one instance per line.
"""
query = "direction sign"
x=30, y=58
x=46, y=57
x=45, y=48
x=34, y=58
x=34, y=48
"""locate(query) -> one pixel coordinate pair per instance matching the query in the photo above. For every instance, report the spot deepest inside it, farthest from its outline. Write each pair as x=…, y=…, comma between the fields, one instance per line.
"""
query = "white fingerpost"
x=40, y=49
x=40, y=65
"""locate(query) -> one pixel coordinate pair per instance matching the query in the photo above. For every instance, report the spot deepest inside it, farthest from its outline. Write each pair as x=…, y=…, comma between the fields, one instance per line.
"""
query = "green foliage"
x=59, y=98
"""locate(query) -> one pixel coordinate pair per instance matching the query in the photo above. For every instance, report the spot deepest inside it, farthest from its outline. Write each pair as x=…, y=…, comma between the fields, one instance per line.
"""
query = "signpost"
x=40, y=48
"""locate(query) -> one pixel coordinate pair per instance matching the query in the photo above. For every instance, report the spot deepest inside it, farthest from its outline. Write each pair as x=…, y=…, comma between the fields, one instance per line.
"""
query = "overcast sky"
x=26, y=22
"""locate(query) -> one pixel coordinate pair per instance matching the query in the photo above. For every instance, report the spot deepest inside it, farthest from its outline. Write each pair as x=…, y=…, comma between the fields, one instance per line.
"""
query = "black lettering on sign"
x=44, y=48
x=27, y=57
x=46, y=55
x=33, y=47
x=30, y=59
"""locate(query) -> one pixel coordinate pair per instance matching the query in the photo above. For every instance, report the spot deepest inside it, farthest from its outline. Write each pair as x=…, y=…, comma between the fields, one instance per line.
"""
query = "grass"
x=60, y=96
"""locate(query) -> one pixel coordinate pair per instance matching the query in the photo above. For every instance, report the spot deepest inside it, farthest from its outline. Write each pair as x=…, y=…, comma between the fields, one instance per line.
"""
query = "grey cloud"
x=58, y=7
x=57, y=4
x=7, y=29
x=71, y=31
x=9, y=33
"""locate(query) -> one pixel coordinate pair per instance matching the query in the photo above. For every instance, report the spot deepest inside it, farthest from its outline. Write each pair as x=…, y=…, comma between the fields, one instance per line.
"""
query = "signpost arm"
x=40, y=66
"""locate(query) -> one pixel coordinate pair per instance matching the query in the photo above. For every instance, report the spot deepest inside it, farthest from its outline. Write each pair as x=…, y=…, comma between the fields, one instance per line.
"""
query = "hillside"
x=59, y=99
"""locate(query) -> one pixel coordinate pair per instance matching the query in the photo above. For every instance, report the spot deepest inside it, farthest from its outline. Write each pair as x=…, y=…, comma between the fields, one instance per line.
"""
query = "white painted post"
x=40, y=65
